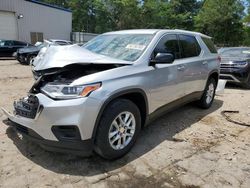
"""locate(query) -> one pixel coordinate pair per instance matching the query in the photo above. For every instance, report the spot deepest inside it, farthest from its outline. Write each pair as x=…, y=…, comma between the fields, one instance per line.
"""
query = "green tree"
x=181, y=13
x=246, y=21
x=83, y=15
x=62, y=3
x=221, y=19
x=123, y=14
x=169, y=13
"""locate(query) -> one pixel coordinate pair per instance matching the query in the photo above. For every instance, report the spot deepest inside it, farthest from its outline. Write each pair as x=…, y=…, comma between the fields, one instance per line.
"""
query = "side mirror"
x=162, y=58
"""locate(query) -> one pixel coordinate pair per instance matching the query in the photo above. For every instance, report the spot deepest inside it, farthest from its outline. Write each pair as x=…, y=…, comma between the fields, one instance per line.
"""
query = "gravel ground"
x=188, y=147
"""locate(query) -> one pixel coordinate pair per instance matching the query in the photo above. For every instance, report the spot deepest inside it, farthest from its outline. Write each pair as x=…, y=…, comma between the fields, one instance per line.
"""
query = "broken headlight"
x=59, y=91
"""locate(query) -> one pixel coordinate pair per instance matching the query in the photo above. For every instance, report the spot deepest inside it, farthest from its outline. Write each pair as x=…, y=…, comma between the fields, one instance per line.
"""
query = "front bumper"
x=22, y=58
x=80, y=113
x=82, y=148
x=235, y=74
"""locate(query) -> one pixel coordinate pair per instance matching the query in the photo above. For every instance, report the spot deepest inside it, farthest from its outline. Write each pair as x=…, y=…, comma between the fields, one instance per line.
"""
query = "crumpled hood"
x=60, y=56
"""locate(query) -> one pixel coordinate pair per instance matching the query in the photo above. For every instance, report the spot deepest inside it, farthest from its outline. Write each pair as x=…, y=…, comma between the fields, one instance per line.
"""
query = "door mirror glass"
x=162, y=58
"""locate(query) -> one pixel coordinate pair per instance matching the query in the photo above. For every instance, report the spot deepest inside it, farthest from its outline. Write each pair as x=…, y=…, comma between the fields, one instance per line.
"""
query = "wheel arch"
x=214, y=74
x=137, y=96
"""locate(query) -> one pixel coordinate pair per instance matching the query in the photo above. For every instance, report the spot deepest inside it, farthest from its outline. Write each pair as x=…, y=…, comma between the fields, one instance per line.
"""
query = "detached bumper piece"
x=74, y=146
x=27, y=107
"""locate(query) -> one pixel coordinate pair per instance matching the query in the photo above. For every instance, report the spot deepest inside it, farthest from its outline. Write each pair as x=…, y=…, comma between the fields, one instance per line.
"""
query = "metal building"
x=32, y=20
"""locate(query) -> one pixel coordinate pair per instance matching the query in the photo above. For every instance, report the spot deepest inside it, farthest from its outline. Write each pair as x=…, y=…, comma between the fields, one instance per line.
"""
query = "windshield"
x=40, y=46
x=128, y=47
x=242, y=52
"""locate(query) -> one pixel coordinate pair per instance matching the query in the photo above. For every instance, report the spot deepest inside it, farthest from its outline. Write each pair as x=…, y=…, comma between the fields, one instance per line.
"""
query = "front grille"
x=233, y=64
x=27, y=107
x=228, y=66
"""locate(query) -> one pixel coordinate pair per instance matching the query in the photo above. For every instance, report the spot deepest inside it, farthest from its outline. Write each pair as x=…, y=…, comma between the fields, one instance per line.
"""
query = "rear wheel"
x=118, y=129
x=208, y=94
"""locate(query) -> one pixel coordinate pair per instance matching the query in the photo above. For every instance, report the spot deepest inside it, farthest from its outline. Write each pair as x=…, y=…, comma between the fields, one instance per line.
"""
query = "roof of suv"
x=154, y=31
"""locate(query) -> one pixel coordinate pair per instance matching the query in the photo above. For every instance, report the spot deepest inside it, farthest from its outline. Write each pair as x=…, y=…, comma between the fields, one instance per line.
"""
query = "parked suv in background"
x=235, y=65
x=99, y=96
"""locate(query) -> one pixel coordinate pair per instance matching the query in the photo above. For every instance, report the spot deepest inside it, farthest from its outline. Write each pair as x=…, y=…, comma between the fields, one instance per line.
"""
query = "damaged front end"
x=56, y=83
x=57, y=69
x=27, y=107
x=57, y=105
x=66, y=75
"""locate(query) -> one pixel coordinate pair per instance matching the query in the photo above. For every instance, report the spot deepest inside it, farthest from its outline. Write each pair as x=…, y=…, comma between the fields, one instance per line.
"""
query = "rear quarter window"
x=189, y=46
x=210, y=45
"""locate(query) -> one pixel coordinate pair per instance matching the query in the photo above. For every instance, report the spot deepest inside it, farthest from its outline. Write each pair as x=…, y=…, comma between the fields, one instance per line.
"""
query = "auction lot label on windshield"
x=135, y=46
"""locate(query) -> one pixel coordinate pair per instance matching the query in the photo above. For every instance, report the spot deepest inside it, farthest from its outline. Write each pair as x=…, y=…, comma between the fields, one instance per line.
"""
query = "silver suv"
x=99, y=96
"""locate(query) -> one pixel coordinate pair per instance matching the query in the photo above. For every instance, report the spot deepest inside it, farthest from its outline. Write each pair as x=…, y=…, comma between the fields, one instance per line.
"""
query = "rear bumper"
x=76, y=147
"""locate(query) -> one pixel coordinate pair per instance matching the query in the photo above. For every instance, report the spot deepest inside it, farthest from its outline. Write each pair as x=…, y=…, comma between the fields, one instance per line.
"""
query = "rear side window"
x=189, y=46
x=210, y=45
x=168, y=44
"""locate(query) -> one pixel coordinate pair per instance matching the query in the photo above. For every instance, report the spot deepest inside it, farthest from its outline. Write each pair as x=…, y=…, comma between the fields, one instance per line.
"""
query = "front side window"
x=168, y=44
x=189, y=46
x=128, y=47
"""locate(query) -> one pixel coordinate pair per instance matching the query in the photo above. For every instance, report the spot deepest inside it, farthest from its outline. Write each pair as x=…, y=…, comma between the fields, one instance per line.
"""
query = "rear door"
x=194, y=66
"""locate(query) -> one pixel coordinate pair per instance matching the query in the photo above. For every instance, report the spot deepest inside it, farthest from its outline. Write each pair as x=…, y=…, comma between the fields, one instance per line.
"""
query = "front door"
x=166, y=78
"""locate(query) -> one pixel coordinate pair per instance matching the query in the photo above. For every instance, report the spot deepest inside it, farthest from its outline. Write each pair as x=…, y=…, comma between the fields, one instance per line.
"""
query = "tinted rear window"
x=210, y=45
x=189, y=46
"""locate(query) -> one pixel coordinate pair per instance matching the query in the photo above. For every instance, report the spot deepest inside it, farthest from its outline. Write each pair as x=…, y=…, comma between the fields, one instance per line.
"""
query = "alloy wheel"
x=122, y=130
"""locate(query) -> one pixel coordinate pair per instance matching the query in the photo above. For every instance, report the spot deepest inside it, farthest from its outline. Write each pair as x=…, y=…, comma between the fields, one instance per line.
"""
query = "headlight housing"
x=240, y=64
x=60, y=91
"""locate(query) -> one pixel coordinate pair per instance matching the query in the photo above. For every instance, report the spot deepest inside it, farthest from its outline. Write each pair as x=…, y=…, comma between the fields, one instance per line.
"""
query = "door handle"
x=204, y=62
x=181, y=67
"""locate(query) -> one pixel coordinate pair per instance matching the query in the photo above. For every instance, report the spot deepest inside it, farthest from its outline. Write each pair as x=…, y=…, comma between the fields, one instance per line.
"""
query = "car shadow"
x=163, y=129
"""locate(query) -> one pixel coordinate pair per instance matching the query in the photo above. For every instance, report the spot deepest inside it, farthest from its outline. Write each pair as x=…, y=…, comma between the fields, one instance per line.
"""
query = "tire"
x=29, y=58
x=107, y=128
x=208, y=95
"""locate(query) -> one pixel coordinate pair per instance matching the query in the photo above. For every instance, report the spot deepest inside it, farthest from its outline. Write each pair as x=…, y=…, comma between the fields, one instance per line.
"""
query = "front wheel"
x=118, y=129
x=208, y=94
x=30, y=58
